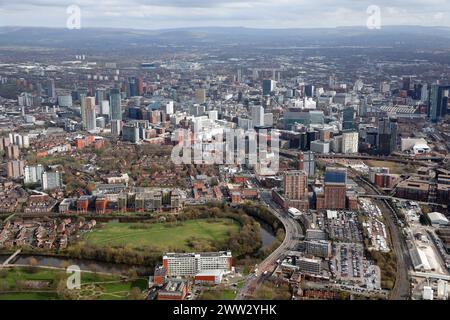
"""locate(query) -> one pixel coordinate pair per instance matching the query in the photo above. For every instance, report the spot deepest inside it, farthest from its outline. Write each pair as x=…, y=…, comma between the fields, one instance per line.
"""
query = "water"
x=267, y=235
x=267, y=238
x=86, y=265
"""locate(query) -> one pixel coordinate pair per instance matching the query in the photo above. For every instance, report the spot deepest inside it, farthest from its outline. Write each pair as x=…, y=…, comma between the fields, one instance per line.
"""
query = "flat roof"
x=193, y=254
x=215, y=272
x=435, y=216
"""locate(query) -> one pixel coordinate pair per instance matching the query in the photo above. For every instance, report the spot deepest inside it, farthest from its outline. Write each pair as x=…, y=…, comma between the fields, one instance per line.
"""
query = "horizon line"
x=227, y=27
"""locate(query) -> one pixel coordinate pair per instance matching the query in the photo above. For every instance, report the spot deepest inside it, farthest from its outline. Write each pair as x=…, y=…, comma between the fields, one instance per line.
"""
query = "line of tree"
x=242, y=244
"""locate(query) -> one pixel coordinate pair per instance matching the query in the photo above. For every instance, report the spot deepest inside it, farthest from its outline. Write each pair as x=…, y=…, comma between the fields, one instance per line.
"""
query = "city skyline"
x=293, y=151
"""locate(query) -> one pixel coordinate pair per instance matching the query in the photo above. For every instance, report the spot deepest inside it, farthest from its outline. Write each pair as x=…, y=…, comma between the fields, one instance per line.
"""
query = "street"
x=293, y=232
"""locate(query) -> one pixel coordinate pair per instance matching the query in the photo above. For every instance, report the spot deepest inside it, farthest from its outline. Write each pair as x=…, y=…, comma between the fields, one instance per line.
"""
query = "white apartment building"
x=168, y=108
x=33, y=174
x=190, y=264
x=350, y=142
x=51, y=180
x=257, y=115
x=213, y=115
x=116, y=127
x=268, y=119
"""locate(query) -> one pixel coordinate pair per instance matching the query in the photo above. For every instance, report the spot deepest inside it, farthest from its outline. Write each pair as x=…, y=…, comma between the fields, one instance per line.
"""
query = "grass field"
x=93, y=286
x=161, y=236
x=12, y=275
x=29, y=296
x=218, y=294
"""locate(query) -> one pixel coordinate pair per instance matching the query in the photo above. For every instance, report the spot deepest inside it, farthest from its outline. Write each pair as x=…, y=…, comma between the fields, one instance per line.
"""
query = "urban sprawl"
x=355, y=204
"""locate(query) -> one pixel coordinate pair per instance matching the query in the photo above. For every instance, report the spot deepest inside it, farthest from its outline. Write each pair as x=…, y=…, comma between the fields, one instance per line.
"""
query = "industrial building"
x=210, y=277
x=437, y=219
x=413, y=189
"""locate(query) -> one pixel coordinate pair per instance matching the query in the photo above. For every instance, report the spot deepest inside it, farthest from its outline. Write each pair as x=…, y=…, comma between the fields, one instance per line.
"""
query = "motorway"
x=293, y=231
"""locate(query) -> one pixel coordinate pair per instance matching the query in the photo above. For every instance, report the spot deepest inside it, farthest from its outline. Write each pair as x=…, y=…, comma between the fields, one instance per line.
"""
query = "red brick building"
x=335, y=188
x=295, y=185
x=335, y=196
x=173, y=290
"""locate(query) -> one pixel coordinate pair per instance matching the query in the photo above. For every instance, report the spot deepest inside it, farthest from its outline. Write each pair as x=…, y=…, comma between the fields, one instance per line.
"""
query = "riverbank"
x=250, y=240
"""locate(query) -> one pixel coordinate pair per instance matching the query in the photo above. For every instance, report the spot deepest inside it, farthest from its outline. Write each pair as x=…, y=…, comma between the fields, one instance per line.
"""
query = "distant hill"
x=412, y=37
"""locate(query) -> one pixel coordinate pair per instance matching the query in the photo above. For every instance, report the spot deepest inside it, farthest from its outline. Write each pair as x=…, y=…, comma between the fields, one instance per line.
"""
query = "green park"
x=162, y=236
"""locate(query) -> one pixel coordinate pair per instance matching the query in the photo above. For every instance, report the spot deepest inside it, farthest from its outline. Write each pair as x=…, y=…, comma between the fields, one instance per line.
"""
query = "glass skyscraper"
x=348, y=122
x=438, y=103
x=131, y=87
x=115, y=104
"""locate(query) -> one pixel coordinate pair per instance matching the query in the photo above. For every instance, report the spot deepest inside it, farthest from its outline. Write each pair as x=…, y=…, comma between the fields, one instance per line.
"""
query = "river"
x=267, y=238
x=267, y=235
x=87, y=265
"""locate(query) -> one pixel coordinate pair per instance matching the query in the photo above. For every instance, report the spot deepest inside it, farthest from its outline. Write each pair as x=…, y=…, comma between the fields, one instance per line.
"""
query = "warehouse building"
x=413, y=189
x=437, y=219
x=210, y=277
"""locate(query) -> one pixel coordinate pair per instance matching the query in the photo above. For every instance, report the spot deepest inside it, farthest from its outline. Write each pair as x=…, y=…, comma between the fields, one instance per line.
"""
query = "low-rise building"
x=211, y=277
x=173, y=290
x=437, y=219
x=309, y=265
x=316, y=234
x=413, y=189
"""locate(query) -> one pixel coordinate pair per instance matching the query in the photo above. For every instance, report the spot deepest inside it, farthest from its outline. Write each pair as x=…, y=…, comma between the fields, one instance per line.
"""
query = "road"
x=12, y=257
x=401, y=288
x=293, y=231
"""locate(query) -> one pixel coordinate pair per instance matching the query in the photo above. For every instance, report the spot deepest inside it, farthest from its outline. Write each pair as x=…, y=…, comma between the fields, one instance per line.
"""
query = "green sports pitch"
x=162, y=236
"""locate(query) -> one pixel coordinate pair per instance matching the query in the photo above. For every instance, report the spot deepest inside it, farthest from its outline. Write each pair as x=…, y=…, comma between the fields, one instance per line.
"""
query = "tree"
x=33, y=262
x=4, y=285
x=63, y=292
x=90, y=187
x=3, y=273
x=132, y=273
x=135, y=294
x=214, y=182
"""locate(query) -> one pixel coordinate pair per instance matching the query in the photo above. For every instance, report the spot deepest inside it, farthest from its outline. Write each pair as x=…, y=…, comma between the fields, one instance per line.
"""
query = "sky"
x=163, y=14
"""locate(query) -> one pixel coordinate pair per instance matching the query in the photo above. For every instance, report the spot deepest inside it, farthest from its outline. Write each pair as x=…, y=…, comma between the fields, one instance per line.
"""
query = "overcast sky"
x=160, y=14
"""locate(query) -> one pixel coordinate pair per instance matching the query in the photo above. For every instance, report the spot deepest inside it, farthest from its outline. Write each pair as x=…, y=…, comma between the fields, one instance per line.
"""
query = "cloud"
x=438, y=16
x=157, y=14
